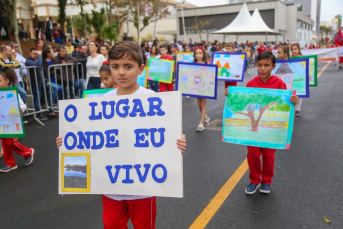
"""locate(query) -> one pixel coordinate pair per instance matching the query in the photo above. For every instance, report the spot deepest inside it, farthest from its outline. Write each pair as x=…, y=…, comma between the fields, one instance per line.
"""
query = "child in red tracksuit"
x=8, y=78
x=263, y=174
x=165, y=56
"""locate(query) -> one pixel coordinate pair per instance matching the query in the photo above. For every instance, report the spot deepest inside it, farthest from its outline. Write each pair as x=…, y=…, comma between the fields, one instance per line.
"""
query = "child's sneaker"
x=30, y=159
x=251, y=189
x=265, y=188
x=200, y=127
x=297, y=113
x=207, y=121
x=7, y=169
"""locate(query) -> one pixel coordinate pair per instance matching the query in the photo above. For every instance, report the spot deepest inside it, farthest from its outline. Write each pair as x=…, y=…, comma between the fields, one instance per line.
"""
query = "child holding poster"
x=295, y=49
x=165, y=56
x=230, y=47
x=105, y=75
x=265, y=64
x=200, y=57
x=126, y=62
x=8, y=78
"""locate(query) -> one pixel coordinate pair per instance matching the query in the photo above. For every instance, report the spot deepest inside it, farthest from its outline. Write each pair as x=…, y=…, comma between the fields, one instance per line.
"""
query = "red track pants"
x=164, y=86
x=9, y=145
x=116, y=214
x=254, y=161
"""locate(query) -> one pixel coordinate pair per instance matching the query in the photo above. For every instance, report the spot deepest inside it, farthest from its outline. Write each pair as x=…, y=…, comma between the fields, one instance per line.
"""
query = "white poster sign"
x=324, y=54
x=123, y=145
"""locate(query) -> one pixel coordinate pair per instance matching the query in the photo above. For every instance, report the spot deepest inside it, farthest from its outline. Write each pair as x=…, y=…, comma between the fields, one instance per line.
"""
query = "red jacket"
x=273, y=82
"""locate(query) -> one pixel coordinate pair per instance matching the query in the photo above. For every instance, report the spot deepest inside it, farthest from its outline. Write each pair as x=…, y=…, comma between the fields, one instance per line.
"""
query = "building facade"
x=280, y=17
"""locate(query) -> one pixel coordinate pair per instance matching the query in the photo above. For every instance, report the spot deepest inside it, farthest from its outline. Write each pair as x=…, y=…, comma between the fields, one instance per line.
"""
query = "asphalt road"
x=306, y=187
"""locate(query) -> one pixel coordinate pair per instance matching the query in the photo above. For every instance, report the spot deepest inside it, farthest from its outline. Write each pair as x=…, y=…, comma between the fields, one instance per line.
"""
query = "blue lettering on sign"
x=141, y=133
x=72, y=135
x=156, y=107
x=70, y=106
x=137, y=107
x=93, y=116
x=142, y=178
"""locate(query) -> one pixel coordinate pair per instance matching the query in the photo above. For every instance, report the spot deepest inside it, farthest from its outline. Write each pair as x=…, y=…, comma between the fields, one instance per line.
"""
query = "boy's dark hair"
x=33, y=49
x=9, y=73
x=59, y=48
x=46, y=51
x=164, y=46
x=46, y=45
x=76, y=46
x=285, y=49
x=126, y=48
x=267, y=55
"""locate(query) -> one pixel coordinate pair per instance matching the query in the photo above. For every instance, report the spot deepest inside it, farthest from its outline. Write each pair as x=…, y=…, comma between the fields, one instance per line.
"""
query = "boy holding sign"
x=126, y=63
x=265, y=65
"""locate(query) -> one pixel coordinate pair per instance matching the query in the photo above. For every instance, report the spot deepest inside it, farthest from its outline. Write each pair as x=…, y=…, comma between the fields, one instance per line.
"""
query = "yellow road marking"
x=321, y=71
x=220, y=197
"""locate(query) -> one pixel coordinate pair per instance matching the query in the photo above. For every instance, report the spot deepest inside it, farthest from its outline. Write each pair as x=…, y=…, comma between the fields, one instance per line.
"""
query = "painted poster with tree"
x=312, y=69
x=295, y=74
x=231, y=66
x=160, y=70
x=11, y=121
x=258, y=117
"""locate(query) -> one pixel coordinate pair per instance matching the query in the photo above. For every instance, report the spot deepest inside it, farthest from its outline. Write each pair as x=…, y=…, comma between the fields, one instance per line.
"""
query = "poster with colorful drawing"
x=231, y=66
x=160, y=70
x=258, y=117
x=313, y=71
x=95, y=93
x=197, y=80
x=142, y=79
x=11, y=121
x=186, y=57
x=295, y=75
x=122, y=145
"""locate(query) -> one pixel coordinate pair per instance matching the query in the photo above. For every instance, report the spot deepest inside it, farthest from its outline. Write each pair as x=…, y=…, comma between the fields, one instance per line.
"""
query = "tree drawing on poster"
x=142, y=79
x=231, y=66
x=11, y=124
x=186, y=57
x=294, y=73
x=197, y=80
x=313, y=69
x=258, y=117
x=160, y=70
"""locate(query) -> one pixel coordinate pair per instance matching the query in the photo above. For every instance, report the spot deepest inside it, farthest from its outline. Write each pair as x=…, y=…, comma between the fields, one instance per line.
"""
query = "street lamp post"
x=183, y=21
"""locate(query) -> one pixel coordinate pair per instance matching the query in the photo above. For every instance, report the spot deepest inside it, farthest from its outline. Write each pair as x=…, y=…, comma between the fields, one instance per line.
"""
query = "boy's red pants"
x=116, y=214
x=9, y=145
x=228, y=83
x=164, y=86
x=254, y=161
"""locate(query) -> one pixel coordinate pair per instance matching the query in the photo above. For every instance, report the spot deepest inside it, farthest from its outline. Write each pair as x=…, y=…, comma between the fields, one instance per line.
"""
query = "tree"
x=199, y=25
x=97, y=24
x=81, y=4
x=339, y=17
x=62, y=12
x=150, y=10
x=249, y=102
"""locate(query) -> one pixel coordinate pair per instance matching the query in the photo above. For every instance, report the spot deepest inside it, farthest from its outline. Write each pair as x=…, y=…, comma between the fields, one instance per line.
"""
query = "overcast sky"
x=330, y=8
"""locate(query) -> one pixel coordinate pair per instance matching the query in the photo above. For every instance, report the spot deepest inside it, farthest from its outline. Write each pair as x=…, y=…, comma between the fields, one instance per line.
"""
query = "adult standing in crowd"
x=94, y=62
x=66, y=78
x=82, y=56
x=4, y=24
x=56, y=89
x=49, y=29
x=19, y=72
x=36, y=25
x=143, y=47
x=62, y=35
x=70, y=47
x=56, y=36
x=104, y=49
x=36, y=79
x=261, y=49
x=39, y=46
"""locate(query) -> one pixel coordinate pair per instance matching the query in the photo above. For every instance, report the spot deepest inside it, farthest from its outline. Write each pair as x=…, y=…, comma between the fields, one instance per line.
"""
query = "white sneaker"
x=200, y=127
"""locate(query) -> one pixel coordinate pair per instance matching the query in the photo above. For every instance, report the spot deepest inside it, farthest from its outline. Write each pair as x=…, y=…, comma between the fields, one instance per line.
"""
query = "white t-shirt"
x=141, y=90
x=93, y=65
x=340, y=51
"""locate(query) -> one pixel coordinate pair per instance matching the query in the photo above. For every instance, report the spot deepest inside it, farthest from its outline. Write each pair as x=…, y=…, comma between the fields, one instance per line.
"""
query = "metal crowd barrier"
x=47, y=88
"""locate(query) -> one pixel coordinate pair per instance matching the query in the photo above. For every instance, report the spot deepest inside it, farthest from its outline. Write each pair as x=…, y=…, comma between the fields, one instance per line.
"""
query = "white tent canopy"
x=245, y=24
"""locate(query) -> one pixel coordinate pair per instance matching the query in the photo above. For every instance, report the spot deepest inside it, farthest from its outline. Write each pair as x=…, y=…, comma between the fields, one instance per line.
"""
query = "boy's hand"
x=59, y=142
x=226, y=91
x=181, y=144
x=294, y=99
